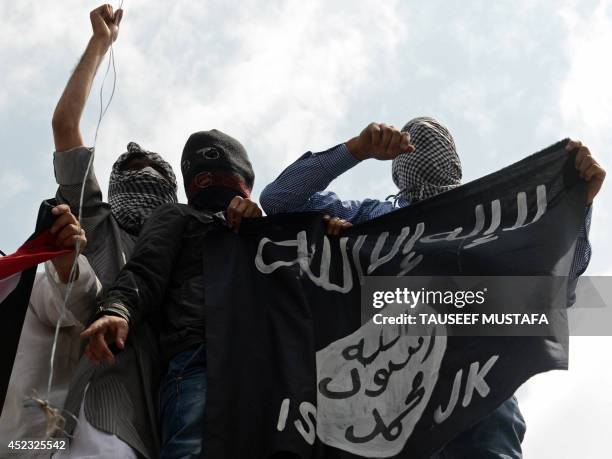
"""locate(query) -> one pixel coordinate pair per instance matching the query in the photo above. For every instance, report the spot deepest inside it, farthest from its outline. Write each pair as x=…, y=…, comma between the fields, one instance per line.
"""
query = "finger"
x=341, y=226
x=252, y=211
x=572, y=145
x=91, y=330
x=73, y=241
x=103, y=12
x=99, y=326
x=61, y=209
x=108, y=14
x=122, y=334
x=104, y=351
x=95, y=354
x=404, y=141
x=94, y=347
x=90, y=355
x=586, y=164
x=331, y=229
x=387, y=134
x=70, y=243
x=338, y=227
x=344, y=225
x=375, y=135
x=118, y=17
x=243, y=205
x=73, y=218
x=583, y=159
x=326, y=218
x=240, y=211
x=98, y=11
x=231, y=210
x=67, y=234
x=330, y=225
x=394, y=145
x=82, y=241
x=594, y=171
x=60, y=222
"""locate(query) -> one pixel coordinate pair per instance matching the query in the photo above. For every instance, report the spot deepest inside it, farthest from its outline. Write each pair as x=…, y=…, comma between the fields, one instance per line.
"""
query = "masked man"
x=163, y=281
x=425, y=163
x=115, y=405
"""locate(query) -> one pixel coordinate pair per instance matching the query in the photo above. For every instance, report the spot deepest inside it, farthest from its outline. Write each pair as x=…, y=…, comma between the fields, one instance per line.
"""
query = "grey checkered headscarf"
x=134, y=194
x=433, y=167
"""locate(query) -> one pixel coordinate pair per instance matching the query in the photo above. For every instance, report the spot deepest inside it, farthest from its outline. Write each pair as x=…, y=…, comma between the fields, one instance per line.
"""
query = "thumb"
x=89, y=331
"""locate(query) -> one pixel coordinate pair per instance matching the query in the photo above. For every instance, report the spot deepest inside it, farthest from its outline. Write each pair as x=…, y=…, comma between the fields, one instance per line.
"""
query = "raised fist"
x=105, y=23
x=380, y=141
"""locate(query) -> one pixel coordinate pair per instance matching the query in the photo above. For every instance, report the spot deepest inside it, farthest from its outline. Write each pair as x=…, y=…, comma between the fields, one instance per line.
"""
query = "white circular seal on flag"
x=373, y=386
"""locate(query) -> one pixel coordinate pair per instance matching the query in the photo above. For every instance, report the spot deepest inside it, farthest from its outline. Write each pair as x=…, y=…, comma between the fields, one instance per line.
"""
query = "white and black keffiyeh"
x=433, y=167
x=134, y=194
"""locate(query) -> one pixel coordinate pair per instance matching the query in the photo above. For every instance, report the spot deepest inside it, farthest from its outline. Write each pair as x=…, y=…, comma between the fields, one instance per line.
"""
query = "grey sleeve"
x=70, y=167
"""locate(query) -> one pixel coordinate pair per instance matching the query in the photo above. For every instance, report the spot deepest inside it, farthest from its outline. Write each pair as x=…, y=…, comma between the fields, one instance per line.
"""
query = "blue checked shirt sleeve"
x=582, y=255
x=300, y=188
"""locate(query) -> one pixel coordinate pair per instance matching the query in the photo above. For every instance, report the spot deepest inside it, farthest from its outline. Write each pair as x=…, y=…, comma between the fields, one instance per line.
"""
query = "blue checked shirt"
x=300, y=187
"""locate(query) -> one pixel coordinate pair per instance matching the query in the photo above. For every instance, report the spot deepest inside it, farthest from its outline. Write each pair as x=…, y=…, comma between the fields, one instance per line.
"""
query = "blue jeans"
x=498, y=436
x=182, y=397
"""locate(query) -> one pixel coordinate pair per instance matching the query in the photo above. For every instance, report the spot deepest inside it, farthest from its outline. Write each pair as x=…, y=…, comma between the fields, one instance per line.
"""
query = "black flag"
x=292, y=369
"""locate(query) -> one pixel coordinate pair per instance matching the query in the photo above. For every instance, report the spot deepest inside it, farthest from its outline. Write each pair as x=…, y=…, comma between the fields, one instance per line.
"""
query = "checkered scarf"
x=433, y=167
x=134, y=194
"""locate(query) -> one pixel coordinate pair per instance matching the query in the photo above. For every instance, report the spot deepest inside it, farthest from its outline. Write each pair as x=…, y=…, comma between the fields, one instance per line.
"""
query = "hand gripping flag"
x=17, y=272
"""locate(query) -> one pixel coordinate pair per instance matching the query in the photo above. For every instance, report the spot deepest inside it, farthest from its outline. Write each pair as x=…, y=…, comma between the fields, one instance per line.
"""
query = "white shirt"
x=31, y=367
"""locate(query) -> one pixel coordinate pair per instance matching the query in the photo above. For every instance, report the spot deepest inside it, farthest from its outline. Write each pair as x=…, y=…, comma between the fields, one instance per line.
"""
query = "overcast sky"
x=508, y=78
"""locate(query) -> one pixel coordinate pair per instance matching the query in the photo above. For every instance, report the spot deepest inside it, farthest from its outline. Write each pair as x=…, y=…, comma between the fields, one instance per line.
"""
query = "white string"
x=74, y=268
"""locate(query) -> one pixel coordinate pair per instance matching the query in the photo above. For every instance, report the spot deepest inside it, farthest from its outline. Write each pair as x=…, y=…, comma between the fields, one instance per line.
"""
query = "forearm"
x=69, y=109
x=355, y=148
x=140, y=287
x=310, y=174
x=63, y=266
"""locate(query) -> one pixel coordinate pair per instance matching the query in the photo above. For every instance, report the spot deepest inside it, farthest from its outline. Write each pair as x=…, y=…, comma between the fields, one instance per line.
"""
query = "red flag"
x=41, y=247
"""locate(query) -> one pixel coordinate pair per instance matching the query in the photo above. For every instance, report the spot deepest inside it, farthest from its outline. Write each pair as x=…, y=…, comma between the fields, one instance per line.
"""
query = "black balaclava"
x=134, y=194
x=433, y=167
x=216, y=168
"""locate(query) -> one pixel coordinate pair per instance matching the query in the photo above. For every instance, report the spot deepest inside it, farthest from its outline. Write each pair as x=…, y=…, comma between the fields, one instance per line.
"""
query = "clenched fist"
x=105, y=24
x=68, y=235
x=240, y=208
x=379, y=141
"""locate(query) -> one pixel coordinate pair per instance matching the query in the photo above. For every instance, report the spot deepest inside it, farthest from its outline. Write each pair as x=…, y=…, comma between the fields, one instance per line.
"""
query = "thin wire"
x=75, y=264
